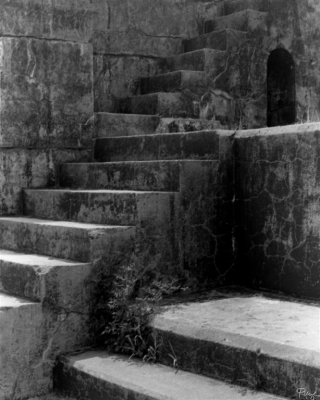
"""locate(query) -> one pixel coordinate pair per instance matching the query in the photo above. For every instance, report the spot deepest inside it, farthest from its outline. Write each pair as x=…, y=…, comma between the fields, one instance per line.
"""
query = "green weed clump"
x=126, y=299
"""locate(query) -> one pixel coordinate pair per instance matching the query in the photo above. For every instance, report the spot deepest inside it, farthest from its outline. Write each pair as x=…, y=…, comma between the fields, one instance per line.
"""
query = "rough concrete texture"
x=109, y=207
x=277, y=193
x=127, y=45
x=133, y=175
x=65, y=20
x=46, y=102
x=115, y=124
x=46, y=93
x=21, y=347
x=289, y=25
x=111, y=125
x=64, y=239
x=262, y=343
x=31, y=338
x=105, y=376
x=175, y=146
x=20, y=168
x=55, y=282
x=202, y=217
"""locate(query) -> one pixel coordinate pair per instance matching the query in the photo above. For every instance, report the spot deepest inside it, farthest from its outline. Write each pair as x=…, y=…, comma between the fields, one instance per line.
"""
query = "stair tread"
x=283, y=329
x=217, y=32
x=241, y=12
x=156, y=381
x=95, y=163
x=170, y=94
x=35, y=260
x=148, y=116
x=65, y=224
x=177, y=72
x=101, y=191
x=164, y=136
x=198, y=51
x=9, y=302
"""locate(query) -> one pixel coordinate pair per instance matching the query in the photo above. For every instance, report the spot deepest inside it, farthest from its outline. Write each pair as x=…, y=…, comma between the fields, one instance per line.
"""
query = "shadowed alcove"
x=281, y=89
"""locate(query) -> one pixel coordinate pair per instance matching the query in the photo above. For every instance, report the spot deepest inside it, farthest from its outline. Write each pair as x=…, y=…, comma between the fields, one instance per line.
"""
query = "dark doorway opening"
x=281, y=89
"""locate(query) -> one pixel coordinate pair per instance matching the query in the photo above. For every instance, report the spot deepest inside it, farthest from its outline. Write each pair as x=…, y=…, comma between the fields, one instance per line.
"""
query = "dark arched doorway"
x=281, y=89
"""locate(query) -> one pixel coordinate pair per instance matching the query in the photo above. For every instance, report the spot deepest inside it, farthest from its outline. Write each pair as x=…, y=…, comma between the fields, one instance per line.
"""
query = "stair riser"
x=77, y=384
x=223, y=40
x=21, y=350
x=108, y=209
x=208, y=60
x=238, y=366
x=163, y=104
x=107, y=124
x=231, y=6
x=59, y=287
x=204, y=145
x=248, y=20
x=174, y=82
x=67, y=243
x=119, y=176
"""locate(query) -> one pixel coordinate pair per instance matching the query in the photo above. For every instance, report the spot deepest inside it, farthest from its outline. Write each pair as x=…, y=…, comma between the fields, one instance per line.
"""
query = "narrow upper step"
x=244, y=20
x=161, y=103
x=232, y=6
x=112, y=207
x=132, y=175
x=197, y=60
x=40, y=278
x=128, y=175
x=102, y=376
x=174, y=82
x=63, y=239
x=174, y=146
x=110, y=124
x=219, y=40
x=264, y=343
x=114, y=125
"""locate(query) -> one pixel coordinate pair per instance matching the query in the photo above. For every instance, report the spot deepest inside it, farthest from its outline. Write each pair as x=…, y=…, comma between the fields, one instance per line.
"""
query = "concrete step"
x=61, y=239
x=98, y=375
x=174, y=146
x=53, y=281
x=21, y=346
x=111, y=207
x=131, y=175
x=127, y=175
x=232, y=6
x=175, y=125
x=114, y=125
x=174, y=82
x=254, y=341
x=244, y=20
x=219, y=40
x=162, y=103
x=198, y=60
x=110, y=124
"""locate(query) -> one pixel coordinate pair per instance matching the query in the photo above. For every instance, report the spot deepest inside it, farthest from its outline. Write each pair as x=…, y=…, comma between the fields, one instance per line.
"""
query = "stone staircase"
x=142, y=182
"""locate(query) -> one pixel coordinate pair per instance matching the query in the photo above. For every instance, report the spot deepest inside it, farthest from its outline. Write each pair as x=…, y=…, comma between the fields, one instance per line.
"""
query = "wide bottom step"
x=99, y=376
x=263, y=343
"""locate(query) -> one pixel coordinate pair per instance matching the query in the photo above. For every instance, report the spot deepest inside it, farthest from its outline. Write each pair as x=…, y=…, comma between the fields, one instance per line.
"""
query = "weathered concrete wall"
x=277, y=208
x=129, y=38
x=204, y=217
x=46, y=93
x=288, y=24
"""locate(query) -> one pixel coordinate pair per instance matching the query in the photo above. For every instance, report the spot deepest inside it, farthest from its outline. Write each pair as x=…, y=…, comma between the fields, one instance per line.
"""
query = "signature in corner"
x=302, y=392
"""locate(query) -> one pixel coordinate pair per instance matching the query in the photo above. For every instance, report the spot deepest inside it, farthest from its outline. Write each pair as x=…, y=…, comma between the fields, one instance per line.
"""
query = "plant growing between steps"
x=125, y=300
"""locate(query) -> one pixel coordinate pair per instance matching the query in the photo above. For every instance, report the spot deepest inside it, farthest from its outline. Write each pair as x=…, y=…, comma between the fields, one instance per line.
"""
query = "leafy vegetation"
x=126, y=299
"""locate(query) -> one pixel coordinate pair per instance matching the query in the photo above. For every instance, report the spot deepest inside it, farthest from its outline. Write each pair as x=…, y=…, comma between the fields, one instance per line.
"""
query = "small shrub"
x=126, y=300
